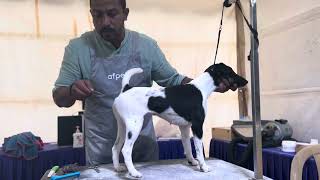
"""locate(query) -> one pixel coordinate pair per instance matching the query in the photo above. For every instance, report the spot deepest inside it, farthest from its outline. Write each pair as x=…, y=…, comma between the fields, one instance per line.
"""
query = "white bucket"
x=289, y=146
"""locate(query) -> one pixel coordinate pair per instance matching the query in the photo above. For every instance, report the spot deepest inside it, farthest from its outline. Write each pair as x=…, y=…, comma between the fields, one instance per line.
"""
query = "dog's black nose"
x=240, y=81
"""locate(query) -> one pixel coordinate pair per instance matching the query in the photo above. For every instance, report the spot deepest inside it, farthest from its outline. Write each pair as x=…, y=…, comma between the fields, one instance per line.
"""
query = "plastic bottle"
x=77, y=138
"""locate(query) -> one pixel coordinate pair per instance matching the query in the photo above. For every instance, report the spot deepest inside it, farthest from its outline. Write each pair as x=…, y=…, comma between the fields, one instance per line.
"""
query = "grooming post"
x=255, y=94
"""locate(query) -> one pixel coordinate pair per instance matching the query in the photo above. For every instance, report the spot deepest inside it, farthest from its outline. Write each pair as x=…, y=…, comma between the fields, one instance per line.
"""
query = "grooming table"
x=174, y=170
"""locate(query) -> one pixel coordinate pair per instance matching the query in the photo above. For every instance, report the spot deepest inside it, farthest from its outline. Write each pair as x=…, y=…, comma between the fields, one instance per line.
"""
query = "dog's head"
x=225, y=78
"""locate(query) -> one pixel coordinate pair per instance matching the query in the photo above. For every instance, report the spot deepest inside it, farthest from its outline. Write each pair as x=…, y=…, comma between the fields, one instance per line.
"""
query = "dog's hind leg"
x=185, y=138
x=133, y=128
x=121, y=134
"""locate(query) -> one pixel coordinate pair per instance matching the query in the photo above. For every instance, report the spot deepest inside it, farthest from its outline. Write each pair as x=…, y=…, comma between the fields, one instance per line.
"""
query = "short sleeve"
x=70, y=68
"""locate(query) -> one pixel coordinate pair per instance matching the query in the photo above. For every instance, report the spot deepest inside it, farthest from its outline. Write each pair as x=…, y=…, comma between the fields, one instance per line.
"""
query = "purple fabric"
x=51, y=155
x=173, y=149
x=276, y=163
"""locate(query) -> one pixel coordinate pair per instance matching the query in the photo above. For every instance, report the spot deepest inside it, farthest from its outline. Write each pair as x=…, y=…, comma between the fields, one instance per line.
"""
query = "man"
x=92, y=70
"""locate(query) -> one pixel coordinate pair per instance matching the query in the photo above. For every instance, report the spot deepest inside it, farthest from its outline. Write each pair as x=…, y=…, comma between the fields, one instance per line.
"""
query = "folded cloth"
x=24, y=145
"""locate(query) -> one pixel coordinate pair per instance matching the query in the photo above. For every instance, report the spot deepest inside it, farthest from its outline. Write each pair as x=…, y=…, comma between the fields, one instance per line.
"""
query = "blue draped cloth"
x=54, y=155
x=276, y=163
x=172, y=149
x=51, y=155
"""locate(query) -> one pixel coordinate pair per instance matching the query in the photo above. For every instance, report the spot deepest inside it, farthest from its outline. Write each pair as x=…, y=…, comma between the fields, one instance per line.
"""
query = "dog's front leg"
x=185, y=138
x=198, y=117
x=200, y=157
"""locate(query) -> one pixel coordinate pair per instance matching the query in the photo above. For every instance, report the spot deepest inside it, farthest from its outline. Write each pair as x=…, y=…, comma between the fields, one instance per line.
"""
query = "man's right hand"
x=81, y=89
x=65, y=96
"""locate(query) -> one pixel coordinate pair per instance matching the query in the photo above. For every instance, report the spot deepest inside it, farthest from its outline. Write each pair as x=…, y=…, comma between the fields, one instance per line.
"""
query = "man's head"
x=108, y=19
x=225, y=78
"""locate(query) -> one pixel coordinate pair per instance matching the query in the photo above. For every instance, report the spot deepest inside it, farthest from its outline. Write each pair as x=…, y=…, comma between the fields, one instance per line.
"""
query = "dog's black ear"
x=240, y=81
x=221, y=71
x=218, y=72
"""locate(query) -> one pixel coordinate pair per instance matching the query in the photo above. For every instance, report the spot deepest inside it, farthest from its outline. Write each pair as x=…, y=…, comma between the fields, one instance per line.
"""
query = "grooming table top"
x=174, y=169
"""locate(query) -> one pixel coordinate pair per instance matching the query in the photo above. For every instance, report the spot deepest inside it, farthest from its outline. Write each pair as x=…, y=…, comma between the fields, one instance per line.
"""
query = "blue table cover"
x=52, y=155
x=276, y=163
x=172, y=149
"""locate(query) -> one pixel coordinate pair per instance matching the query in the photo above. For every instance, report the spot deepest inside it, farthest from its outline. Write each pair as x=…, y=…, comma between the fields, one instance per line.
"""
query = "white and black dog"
x=182, y=105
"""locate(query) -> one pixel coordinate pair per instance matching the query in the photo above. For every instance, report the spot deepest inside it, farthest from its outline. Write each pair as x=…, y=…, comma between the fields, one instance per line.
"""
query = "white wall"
x=289, y=64
x=29, y=65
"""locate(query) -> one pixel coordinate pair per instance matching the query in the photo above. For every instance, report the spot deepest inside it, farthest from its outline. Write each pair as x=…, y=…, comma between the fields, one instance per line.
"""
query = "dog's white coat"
x=131, y=106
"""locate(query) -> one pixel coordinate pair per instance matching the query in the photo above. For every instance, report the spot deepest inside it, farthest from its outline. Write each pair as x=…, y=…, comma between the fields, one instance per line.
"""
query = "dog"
x=182, y=105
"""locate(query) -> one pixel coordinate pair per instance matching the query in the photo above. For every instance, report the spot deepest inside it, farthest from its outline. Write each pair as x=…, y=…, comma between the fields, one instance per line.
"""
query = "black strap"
x=253, y=31
x=245, y=156
x=219, y=34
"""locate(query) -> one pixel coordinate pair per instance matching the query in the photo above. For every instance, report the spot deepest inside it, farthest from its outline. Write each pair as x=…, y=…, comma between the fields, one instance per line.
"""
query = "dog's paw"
x=135, y=174
x=193, y=162
x=204, y=168
x=121, y=168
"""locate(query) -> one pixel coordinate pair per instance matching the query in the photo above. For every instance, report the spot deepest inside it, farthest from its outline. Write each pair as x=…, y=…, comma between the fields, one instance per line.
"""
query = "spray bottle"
x=77, y=138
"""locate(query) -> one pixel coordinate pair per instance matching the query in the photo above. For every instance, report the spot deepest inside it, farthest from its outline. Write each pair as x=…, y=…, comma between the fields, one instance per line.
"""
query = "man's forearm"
x=62, y=98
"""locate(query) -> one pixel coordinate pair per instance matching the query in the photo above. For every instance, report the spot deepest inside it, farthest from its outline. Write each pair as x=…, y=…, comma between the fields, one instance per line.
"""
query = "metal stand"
x=255, y=91
x=255, y=94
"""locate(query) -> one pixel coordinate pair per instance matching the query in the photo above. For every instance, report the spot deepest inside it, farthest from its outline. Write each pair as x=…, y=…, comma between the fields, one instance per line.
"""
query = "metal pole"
x=255, y=94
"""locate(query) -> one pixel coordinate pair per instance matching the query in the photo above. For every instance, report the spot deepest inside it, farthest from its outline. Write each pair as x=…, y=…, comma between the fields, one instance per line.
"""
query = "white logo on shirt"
x=115, y=76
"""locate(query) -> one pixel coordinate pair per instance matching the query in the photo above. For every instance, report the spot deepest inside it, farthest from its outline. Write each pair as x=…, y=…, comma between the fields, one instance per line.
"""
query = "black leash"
x=253, y=31
x=219, y=34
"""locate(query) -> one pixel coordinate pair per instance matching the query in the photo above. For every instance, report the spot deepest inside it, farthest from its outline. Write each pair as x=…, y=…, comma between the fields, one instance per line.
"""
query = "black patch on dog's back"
x=158, y=104
x=186, y=101
x=126, y=88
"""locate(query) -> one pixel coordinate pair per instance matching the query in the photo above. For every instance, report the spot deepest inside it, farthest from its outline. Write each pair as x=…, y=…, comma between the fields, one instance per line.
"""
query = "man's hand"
x=66, y=96
x=81, y=89
x=186, y=80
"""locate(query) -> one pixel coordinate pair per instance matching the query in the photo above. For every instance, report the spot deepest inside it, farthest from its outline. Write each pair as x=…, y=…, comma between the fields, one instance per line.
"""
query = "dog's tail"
x=127, y=76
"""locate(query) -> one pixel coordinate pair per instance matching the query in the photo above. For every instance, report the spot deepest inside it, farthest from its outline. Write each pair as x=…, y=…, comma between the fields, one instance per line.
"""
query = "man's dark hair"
x=122, y=2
